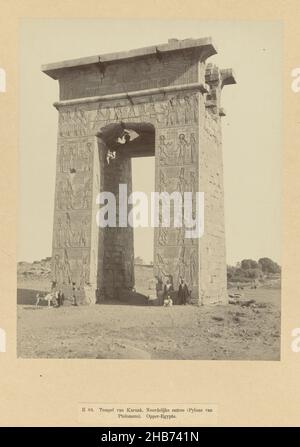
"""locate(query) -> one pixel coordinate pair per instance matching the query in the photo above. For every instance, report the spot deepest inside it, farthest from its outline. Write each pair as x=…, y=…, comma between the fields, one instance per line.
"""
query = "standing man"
x=74, y=295
x=168, y=288
x=183, y=292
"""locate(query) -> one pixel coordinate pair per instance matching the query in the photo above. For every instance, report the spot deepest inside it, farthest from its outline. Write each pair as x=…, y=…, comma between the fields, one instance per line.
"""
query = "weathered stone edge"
x=206, y=43
x=203, y=88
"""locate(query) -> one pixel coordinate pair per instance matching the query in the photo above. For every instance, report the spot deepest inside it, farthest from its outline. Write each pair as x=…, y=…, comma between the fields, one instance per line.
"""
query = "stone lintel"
x=227, y=77
x=215, y=76
x=203, y=88
x=205, y=46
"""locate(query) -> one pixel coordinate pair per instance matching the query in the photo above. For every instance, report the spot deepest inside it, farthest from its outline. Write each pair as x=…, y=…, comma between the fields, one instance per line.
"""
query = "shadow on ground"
x=28, y=296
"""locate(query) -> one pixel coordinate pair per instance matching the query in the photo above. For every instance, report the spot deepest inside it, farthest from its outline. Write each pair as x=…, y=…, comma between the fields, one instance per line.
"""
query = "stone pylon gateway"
x=170, y=98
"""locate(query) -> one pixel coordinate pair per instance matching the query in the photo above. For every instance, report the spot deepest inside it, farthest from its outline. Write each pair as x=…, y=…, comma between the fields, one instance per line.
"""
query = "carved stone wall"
x=177, y=170
x=72, y=233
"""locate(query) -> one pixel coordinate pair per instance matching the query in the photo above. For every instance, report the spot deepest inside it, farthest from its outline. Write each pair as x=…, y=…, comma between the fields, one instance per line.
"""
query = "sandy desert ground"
x=244, y=331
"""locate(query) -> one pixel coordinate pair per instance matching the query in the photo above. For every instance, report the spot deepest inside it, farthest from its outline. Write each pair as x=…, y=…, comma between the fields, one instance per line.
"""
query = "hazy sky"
x=252, y=129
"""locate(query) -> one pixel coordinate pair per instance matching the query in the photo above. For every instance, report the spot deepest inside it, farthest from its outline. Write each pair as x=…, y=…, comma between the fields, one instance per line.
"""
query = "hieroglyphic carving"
x=190, y=109
x=163, y=182
x=71, y=234
x=163, y=149
x=154, y=114
x=76, y=196
x=178, y=110
x=75, y=156
x=193, y=267
x=193, y=148
x=175, y=164
x=68, y=232
x=170, y=112
x=192, y=183
x=180, y=240
x=177, y=150
x=59, y=234
x=83, y=233
x=182, y=146
x=61, y=270
x=178, y=130
x=186, y=149
x=73, y=123
x=57, y=270
x=182, y=183
x=160, y=266
x=182, y=265
x=84, y=271
x=177, y=155
x=86, y=193
x=118, y=112
x=163, y=236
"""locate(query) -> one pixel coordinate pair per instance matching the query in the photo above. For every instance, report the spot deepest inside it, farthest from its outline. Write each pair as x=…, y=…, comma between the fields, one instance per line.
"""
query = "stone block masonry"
x=168, y=88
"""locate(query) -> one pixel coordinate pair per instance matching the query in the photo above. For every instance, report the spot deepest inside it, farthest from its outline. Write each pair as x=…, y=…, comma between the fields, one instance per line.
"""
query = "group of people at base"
x=183, y=294
x=56, y=298
x=165, y=294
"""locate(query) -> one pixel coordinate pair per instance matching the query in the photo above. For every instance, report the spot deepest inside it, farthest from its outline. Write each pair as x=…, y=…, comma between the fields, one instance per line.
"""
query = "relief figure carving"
x=163, y=182
x=163, y=236
x=193, y=183
x=181, y=270
x=62, y=269
x=67, y=267
x=68, y=232
x=73, y=123
x=172, y=112
x=182, y=147
x=84, y=273
x=58, y=270
x=182, y=183
x=180, y=235
x=68, y=194
x=118, y=112
x=193, y=267
x=59, y=241
x=83, y=233
x=193, y=148
x=160, y=266
x=86, y=194
x=188, y=110
x=163, y=149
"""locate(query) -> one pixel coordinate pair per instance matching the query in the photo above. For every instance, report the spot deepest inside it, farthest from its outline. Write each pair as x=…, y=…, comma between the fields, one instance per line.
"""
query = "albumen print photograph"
x=149, y=189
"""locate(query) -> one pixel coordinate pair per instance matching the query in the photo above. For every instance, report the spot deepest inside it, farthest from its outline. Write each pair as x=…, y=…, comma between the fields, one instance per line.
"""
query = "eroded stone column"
x=212, y=256
x=118, y=246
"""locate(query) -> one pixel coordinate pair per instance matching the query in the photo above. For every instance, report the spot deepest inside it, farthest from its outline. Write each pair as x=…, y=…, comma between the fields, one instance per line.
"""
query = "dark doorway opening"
x=128, y=252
